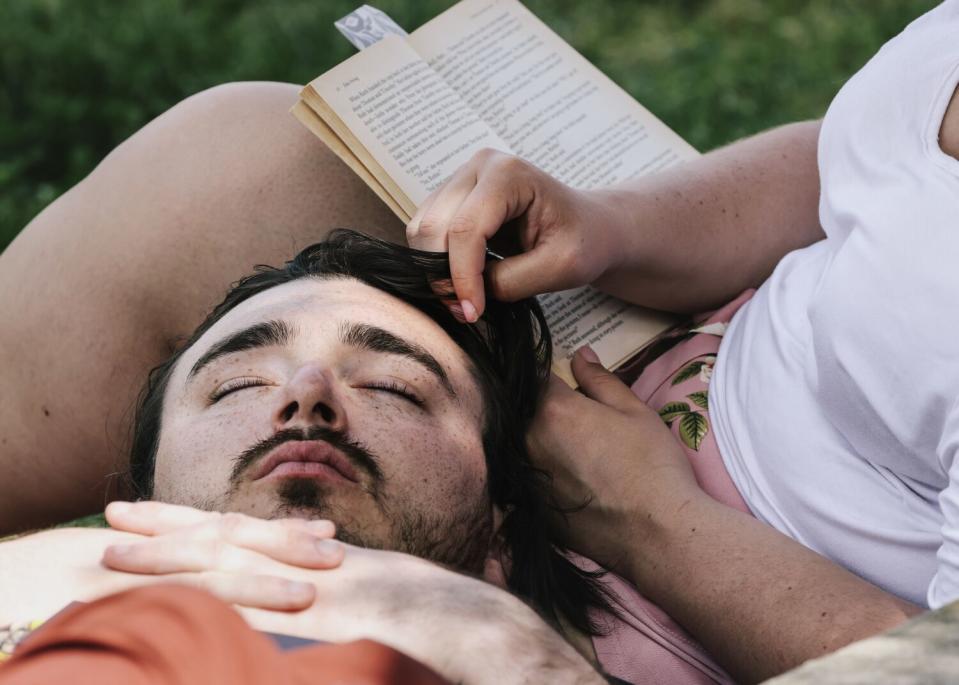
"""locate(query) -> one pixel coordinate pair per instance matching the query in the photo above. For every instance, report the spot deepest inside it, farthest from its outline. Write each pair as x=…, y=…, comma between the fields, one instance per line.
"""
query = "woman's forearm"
x=760, y=602
x=695, y=236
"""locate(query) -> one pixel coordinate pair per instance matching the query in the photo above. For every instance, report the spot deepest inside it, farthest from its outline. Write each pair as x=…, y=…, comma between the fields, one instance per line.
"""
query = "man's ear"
x=497, y=560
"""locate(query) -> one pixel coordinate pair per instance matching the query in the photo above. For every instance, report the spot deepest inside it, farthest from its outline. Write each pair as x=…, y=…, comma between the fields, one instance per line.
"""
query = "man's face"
x=331, y=399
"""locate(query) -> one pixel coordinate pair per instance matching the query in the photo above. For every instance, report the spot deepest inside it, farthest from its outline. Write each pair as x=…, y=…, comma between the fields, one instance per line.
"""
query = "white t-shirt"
x=835, y=398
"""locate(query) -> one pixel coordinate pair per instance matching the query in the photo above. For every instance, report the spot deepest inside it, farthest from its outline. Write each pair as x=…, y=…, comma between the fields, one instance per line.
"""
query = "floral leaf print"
x=692, y=429
x=687, y=372
x=706, y=373
x=701, y=399
x=673, y=410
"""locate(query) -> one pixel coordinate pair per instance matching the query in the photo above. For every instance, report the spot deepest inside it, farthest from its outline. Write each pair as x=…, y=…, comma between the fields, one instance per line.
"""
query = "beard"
x=460, y=539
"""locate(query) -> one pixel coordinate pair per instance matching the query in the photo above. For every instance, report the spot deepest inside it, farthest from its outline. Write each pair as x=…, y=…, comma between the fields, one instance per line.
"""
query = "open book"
x=406, y=112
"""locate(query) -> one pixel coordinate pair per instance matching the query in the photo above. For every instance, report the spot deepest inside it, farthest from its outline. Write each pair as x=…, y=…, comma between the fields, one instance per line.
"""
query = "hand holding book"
x=563, y=234
x=409, y=111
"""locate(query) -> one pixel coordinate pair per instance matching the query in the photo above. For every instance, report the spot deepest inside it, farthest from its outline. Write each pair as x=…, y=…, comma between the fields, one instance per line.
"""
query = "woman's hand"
x=686, y=239
x=566, y=236
x=615, y=466
x=757, y=600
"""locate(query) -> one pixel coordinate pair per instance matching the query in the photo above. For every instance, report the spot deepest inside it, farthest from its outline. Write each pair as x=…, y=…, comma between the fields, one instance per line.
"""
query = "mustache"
x=356, y=452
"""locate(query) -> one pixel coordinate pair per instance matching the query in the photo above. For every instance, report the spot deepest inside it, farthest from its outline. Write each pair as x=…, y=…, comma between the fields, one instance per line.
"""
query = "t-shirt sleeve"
x=880, y=136
x=944, y=587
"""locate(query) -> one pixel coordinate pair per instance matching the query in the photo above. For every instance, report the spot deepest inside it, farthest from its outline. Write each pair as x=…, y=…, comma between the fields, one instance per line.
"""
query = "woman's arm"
x=696, y=235
x=685, y=239
x=758, y=601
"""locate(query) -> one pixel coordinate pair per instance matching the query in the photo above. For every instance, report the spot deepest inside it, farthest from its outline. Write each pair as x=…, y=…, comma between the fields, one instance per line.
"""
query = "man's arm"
x=44, y=572
x=250, y=564
x=466, y=629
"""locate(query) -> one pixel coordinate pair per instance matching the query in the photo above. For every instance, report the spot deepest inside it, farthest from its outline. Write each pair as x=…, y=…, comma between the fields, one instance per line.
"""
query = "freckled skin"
x=431, y=456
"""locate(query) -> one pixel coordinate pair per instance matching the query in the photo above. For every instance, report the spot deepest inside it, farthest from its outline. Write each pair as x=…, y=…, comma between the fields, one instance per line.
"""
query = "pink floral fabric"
x=644, y=644
x=676, y=385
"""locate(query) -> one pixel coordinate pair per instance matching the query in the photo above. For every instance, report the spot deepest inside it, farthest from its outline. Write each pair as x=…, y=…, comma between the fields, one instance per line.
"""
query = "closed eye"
x=396, y=388
x=232, y=386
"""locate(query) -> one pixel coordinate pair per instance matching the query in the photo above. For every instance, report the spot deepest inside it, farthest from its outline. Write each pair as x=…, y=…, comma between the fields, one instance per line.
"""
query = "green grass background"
x=79, y=76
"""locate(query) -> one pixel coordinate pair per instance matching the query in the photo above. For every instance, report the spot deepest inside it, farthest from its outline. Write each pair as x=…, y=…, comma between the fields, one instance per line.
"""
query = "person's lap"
x=101, y=286
x=643, y=643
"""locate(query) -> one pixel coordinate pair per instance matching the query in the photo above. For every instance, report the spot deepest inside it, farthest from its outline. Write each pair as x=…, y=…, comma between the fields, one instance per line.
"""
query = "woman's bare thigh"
x=103, y=283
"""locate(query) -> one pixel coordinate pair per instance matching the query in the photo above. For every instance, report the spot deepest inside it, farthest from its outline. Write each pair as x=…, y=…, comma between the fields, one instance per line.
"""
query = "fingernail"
x=586, y=352
x=325, y=528
x=457, y=311
x=469, y=311
x=119, y=507
x=298, y=590
x=327, y=548
x=120, y=550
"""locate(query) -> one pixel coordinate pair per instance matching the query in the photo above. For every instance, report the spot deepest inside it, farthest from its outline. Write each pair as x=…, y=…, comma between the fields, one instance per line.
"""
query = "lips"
x=312, y=455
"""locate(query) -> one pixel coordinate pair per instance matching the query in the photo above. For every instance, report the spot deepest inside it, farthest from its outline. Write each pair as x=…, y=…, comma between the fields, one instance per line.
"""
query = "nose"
x=309, y=399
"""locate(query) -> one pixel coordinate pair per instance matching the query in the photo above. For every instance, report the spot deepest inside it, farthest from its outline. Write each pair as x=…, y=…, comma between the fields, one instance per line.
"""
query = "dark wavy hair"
x=510, y=351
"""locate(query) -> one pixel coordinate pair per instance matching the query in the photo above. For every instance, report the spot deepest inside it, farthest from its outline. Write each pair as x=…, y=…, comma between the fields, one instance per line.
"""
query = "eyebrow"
x=375, y=339
x=359, y=335
x=266, y=334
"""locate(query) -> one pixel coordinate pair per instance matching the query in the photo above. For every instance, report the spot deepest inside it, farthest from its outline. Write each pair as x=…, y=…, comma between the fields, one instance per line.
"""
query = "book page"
x=613, y=328
x=408, y=121
x=561, y=113
x=547, y=102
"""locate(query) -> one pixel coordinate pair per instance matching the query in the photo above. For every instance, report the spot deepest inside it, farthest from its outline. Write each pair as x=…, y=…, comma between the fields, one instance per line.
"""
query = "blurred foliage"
x=79, y=76
x=91, y=521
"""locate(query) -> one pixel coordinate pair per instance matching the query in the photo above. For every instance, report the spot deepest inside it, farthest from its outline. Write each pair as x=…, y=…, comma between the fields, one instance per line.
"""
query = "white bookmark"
x=366, y=26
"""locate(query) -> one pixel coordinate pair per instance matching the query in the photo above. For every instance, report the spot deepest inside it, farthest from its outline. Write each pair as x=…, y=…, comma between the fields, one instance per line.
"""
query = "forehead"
x=318, y=307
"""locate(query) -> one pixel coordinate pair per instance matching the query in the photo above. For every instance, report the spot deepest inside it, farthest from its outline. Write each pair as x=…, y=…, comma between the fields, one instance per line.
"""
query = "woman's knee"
x=224, y=180
x=132, y=258
x=253, y=111
x=238, y=141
